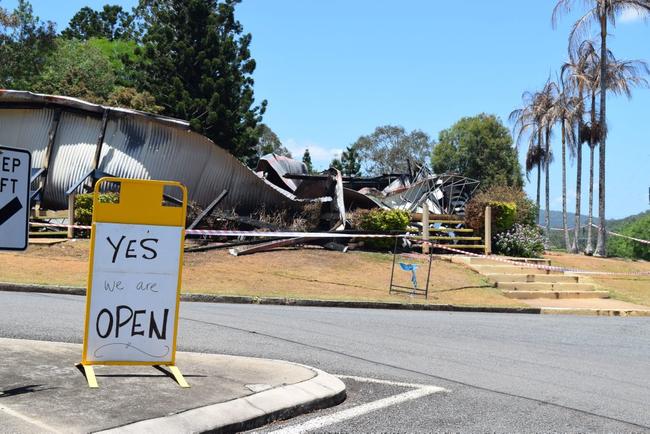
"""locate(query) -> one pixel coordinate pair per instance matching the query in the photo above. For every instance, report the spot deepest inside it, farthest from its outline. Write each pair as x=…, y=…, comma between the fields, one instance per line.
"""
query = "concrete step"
x=528, y=295
x=488, y=261
x=509, y=269
x=553, y=278
x=544, y=286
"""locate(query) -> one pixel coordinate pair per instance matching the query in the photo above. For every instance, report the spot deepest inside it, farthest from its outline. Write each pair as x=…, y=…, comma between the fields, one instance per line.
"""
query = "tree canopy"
x=25, y=43
x=349, y=164
x=306, y=158
x=478, y=147
x=389, y=149
x=195, y=59
x=186, y=59
x=112, y=22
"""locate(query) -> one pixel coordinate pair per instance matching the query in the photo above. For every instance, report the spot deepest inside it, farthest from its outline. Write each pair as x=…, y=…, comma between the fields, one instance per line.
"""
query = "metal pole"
x=392, y=270
x=425, y=227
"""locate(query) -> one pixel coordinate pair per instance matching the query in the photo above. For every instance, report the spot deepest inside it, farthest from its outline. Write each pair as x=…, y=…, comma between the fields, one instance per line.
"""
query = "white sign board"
x=133, y=303
x=15, y=171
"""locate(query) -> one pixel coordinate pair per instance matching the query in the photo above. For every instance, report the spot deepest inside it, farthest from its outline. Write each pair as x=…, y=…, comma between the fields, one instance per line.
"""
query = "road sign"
x=15, y=169
x=134, y=278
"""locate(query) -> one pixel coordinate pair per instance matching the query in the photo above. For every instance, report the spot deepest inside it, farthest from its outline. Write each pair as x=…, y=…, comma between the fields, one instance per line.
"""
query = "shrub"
x=525, y=209
x=380, y=221
x=503, y=215
x=83, y=206
x=83, y=210
x=521, y=240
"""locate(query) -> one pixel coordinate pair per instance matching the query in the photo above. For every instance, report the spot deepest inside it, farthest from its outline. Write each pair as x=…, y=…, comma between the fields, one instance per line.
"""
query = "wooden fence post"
x=487, y=238
x=71, y=198
x=425, y=228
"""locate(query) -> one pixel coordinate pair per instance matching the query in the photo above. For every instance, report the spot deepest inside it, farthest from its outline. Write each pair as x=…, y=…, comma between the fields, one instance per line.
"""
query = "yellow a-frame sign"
x=134, y=278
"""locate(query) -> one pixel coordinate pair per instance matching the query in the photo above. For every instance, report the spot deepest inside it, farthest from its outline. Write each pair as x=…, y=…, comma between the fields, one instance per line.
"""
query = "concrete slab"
x=523, y=295
x=586, y=303
x=41, y=390
x=544, y=286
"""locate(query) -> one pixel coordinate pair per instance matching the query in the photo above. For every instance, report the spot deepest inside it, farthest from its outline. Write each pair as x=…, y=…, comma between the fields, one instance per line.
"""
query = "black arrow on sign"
x=8, y=211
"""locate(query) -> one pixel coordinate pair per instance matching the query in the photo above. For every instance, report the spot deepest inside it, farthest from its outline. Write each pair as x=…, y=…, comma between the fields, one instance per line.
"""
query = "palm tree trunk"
x=575, y=247
x=589, y=248
x=576, y=223
x=600, y=245
x=539, y=172
x=547, y=211
x=565, y=224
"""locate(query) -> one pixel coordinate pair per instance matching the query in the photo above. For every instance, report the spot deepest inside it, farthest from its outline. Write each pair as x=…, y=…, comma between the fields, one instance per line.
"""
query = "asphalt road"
x=500, y=372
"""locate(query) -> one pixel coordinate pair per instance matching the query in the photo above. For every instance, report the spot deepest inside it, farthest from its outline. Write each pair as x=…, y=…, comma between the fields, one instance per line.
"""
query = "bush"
x=380, y=221
x=83, y=206
x=83, y=210
x=503, y=215
x=520, y=241
x=525, y=209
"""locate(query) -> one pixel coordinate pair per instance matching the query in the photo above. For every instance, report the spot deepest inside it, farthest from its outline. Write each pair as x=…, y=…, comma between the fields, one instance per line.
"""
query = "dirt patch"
x=292, y=273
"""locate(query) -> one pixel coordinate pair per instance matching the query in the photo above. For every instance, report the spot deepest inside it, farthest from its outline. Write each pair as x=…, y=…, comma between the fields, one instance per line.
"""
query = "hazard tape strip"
x=343, y=235
x=609, y=232
x=538, y=266
x=259, y=234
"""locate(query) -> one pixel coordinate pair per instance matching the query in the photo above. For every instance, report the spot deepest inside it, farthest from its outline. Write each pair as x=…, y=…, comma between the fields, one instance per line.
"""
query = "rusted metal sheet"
x=135, y=145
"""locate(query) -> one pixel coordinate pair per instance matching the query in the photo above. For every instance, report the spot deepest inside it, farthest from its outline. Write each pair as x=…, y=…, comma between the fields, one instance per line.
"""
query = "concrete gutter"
x=278, y=301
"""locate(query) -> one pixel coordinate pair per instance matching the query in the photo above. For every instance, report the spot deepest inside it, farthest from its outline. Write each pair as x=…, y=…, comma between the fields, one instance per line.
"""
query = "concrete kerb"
x=321, y=391
x=276, y=301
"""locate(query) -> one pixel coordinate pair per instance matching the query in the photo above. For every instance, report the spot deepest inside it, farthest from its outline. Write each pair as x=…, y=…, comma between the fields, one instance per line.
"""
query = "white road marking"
x=420, y=390
x=27, y=419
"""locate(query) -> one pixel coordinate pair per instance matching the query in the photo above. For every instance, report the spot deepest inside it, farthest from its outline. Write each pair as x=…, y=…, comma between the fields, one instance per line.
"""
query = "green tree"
x=564, y=112
x=636, y=227
x=576, y=73
x=25, y=43
x=112, y=22
x=76, y=69
x=604, y=13
x=306, y=158
x=537, y=116
x=478, y=147
x=269, y=143
x=349, y=163
x=389, y=149
x=195, y=60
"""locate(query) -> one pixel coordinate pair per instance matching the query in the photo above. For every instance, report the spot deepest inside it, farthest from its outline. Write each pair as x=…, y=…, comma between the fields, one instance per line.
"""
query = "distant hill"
x=612, y=224
x=556, y=219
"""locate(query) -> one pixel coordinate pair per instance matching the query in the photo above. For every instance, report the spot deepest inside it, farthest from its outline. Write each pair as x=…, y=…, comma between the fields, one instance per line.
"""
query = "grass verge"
x=290, y=273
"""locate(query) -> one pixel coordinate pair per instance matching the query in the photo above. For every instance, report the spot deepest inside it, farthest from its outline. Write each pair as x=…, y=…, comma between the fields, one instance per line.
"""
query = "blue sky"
x=333, y=70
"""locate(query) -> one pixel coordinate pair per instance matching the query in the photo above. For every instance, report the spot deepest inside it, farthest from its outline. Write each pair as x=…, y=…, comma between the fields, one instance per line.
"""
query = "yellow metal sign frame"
x=140, y=203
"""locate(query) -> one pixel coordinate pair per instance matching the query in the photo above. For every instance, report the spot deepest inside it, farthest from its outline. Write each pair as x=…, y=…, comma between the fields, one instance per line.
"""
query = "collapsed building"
x=74, y=143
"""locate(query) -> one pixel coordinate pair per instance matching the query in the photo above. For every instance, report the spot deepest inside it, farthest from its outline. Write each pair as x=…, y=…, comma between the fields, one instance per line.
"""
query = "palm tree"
x=621, y=77
x=603, y=12
x=547, y=97
x=575, y=72
x=534, y=119
x=564, y=112
x=527, y=121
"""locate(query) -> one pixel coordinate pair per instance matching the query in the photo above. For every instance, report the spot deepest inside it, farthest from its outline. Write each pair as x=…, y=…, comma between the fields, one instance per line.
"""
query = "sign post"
x=136, y=256
x=15, y=168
